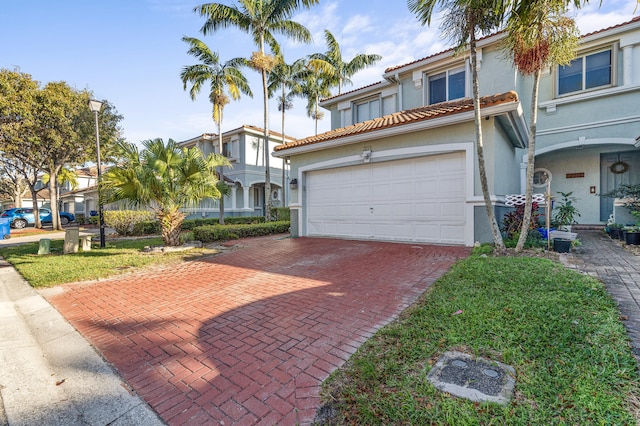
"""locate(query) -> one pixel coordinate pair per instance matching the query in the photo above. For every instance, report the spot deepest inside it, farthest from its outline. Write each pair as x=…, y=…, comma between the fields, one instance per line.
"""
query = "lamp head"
x=94, y=105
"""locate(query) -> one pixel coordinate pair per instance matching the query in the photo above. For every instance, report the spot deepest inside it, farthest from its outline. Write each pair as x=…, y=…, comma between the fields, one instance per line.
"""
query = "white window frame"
x=583, y=56
x=356, y=118
x=447, y=73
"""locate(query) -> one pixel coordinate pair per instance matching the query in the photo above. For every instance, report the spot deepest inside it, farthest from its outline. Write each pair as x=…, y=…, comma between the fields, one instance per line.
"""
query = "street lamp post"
x=95, y=107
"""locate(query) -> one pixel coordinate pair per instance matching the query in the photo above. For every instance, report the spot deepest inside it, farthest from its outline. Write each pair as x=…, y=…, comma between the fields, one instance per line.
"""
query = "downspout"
x=397, y=78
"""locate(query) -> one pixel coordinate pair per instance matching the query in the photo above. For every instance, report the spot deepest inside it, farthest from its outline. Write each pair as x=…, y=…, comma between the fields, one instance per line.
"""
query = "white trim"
x=592, y=125
x=392, y=154
x=586, y=95
x=582, y=143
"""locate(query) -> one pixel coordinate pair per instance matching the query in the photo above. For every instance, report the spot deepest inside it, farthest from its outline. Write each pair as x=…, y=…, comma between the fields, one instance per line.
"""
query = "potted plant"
x=615, y=231
x=565, y=211
x=631, y=235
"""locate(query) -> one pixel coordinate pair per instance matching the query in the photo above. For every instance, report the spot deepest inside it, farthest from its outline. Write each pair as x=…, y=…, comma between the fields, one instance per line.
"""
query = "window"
x=446, y=86
x=367, y=110
x=586, y=72
x=541, y=177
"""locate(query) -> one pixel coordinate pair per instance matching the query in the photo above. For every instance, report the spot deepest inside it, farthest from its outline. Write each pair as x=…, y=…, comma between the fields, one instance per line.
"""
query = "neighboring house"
x=244, y=149
x=400, y=163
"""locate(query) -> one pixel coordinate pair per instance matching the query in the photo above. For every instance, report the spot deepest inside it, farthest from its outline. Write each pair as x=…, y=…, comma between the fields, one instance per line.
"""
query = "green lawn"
x=557, y=328
x=117, y=257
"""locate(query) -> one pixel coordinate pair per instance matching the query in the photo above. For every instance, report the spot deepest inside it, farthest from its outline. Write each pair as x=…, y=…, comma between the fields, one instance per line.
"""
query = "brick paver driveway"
x=248, y=336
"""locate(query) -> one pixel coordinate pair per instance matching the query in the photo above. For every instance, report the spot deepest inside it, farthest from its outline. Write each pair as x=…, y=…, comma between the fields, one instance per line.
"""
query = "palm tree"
x=339, y=70
x=261, y=19
x=222, y=78
x=286, y=79
x=542, y=37
x=463, y=21
x=314, y=87
x=165, y=178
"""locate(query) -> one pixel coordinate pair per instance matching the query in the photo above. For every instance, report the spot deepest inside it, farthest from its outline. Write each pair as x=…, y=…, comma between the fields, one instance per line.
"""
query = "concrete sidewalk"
x=49, y=374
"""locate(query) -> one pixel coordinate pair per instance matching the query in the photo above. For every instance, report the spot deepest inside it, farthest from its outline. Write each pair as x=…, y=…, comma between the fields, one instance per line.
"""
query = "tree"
x=314, y=87
x=223, y=79
x=165, y=178
x=340, y=72
x=542, y=37
x=286, y=78
x=51, y=127
x=65, y=133
x=463, y=21
x=261, y=19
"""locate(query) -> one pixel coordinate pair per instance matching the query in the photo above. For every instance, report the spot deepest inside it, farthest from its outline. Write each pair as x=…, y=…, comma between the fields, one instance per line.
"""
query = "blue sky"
x=130, y=52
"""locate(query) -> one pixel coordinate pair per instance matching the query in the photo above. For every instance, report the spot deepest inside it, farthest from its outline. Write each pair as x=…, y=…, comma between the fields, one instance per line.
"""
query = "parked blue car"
x=21, y=217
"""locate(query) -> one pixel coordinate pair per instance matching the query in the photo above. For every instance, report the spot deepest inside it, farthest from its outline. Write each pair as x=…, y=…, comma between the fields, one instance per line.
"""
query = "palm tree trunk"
x=221, y=172
x=531, y=156
x=284, y=107
x=171, y=222
x=495, y=230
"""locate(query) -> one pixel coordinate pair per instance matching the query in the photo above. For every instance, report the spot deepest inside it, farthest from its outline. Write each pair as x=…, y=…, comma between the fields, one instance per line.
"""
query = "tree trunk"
x=53, y=197
x=495, y=230
x=284, y=107
x=267, y=171
x=36, y=210
x=171, y=222
x=221, y=172
x=531, y=157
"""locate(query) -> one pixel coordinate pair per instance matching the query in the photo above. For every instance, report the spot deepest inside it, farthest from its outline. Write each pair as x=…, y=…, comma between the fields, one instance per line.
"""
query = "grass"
x=117, y=257
x=558, y=329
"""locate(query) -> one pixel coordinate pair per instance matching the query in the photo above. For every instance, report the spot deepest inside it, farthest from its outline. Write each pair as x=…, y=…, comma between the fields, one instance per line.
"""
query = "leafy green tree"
x=165, y=178
x=340, y=72
x=223, y=78
x=261, y=19
x=542, y=37
x=50, y=127
x=464, y=20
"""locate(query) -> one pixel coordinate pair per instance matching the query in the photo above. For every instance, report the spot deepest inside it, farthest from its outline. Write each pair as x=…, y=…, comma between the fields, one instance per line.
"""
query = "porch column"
x=245, y=201
x=523, y=175
x=233, y=197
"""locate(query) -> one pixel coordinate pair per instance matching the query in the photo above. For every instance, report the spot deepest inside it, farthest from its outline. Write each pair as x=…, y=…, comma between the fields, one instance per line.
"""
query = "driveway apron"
x=248, y=336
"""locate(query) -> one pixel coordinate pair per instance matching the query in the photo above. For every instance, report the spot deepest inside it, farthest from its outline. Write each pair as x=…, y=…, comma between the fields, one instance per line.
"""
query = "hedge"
x=281, y=213
x=211, y=233
x=190, y=224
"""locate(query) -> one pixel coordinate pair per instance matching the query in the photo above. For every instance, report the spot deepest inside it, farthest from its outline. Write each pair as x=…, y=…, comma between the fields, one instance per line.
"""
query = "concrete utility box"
x=86, y=242
x=71, y=240
x=45, y=246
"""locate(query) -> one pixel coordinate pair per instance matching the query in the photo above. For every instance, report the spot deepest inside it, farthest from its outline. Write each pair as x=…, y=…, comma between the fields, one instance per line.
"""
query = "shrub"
x=128, y=222
x=211, y=233
x=80, y=218
x=189, y=224
x=281, y=213
x=512, y=221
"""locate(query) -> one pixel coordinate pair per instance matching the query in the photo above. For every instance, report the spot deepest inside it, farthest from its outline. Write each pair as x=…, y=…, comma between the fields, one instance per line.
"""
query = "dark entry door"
x=616, y=169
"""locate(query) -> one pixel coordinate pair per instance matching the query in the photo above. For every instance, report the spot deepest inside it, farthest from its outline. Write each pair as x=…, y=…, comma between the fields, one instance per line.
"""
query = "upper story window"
x=586, y=72
x=446, y=86
x=367, y=110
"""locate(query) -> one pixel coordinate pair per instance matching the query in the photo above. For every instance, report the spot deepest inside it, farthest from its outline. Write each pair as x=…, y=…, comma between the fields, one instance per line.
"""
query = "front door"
x=616, y=169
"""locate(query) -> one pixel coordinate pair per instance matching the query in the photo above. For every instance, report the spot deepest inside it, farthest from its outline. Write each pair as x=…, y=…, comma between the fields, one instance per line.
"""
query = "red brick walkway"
x=248, y=336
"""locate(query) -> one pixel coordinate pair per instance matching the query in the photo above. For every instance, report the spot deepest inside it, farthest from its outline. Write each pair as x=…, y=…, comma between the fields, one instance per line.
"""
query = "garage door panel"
x=417, y=200
x=452, y=210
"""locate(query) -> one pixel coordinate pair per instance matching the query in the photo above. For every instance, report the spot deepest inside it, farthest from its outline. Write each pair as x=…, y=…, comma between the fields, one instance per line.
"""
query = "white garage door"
x=419, y=199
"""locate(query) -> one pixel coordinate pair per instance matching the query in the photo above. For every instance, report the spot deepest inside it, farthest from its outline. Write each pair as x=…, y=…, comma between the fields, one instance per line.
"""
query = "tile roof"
x=403, y=118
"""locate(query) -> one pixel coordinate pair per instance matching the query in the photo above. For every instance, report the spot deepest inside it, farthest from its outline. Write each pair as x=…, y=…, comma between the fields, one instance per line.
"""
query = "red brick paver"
x=247, y=337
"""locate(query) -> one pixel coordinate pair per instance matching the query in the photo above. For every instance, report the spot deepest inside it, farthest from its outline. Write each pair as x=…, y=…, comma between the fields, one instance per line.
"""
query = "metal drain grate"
x=475, y=379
